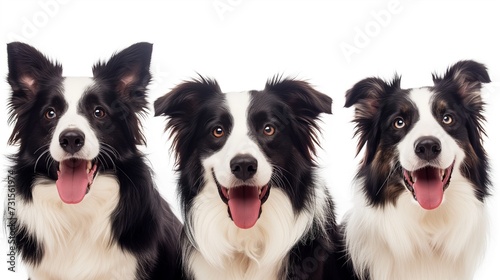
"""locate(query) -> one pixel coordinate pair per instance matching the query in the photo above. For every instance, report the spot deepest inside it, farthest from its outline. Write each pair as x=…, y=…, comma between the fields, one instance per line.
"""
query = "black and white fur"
x=261, y=139
x=122, y=228
x=389, y=234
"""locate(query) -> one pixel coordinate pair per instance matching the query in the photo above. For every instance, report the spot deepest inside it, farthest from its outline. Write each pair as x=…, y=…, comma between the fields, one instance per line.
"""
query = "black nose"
x=71, y=140
x=243, y=166
x=427, y=147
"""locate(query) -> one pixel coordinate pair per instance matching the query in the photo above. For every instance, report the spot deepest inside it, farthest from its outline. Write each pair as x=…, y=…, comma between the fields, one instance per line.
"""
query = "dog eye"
x=399, y=123
x=218, y=132
x=447, y=119
x=50, y=114
x=99, y=113
x=269, y=130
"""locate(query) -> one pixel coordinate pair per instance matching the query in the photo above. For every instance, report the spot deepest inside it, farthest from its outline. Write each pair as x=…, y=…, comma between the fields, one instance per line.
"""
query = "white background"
x=242, y=43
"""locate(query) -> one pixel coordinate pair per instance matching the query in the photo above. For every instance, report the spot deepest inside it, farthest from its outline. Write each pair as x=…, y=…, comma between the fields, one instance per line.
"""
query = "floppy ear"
x=300, y=96
x=466, y=75
x=180, y=106
x=182, y=101
x=465, y=78
x=29, y=73
x=127, y=73
x=365, y=96
x=305, y=103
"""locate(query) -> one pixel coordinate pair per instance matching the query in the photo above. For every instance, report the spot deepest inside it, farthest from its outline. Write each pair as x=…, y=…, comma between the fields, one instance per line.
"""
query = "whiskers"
x=106, y=156
x=277, y=177
x=397, y=168
x=48, y=159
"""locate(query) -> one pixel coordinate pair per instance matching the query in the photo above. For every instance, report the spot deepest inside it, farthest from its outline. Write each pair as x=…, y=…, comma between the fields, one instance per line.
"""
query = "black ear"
x=305, y=104
x=30, y=73
x=127, y=73
x=181, y=105
x=366, y=96
x=182, y=101
x=465, y=78
x=300, y=96
x=466, y=75
x=29, y=70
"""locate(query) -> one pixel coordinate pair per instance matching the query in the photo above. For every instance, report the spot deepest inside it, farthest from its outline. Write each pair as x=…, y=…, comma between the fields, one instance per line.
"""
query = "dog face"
x=422, y=135
x=240, y=168
x=71, y=127
x=244, y=143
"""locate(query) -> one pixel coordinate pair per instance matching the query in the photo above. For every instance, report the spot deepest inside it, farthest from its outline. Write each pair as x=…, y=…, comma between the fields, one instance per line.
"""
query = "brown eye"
x=447, y=119
x=50, y=114
x=218, y=132
x=399, y=123
x=99, y=113
x=269, y=130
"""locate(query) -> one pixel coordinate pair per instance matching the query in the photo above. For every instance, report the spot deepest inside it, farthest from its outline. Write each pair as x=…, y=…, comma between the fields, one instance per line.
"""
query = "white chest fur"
x=226, y=252
x=76, y=238
x=407, y=242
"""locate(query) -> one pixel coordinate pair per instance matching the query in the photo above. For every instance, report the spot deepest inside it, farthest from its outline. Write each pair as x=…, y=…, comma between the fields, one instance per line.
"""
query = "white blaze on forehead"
x=426, y=125
x=238, y=103
x=73, y=91
x=238, y=142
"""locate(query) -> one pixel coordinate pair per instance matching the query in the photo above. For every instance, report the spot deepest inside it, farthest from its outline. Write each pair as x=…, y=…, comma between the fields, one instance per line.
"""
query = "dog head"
x=69, y=128
x=417, y=137
x=244, y=143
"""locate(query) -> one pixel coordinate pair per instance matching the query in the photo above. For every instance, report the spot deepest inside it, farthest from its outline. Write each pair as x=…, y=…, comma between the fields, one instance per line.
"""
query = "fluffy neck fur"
x=403, y=241
x=223, y=251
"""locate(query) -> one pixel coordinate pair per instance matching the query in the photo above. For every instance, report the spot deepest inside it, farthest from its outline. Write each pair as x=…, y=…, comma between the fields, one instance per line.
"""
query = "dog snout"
x=71, y=140
x=243, y=167
x=427, y=148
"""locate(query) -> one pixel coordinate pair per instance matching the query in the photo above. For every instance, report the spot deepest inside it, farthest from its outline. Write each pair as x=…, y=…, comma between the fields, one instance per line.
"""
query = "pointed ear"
x=29, y=69
x=466, y=75
x=30, y=73
x=365, y=96
x=127, y=73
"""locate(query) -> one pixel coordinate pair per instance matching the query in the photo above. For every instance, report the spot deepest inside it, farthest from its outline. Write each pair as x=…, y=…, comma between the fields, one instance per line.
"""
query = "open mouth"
x=244, y=202
x=74, y=179
x=428, y=185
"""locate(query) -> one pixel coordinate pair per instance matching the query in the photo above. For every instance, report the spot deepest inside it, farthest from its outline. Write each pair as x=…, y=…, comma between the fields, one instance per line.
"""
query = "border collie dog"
x=250, y=195
x=86, y=205
x=419, y=204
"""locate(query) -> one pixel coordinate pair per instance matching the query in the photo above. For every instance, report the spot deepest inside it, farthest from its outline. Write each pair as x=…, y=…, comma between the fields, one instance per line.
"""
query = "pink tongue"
x=428, y=188
x=72, y=181
x=244, y=204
